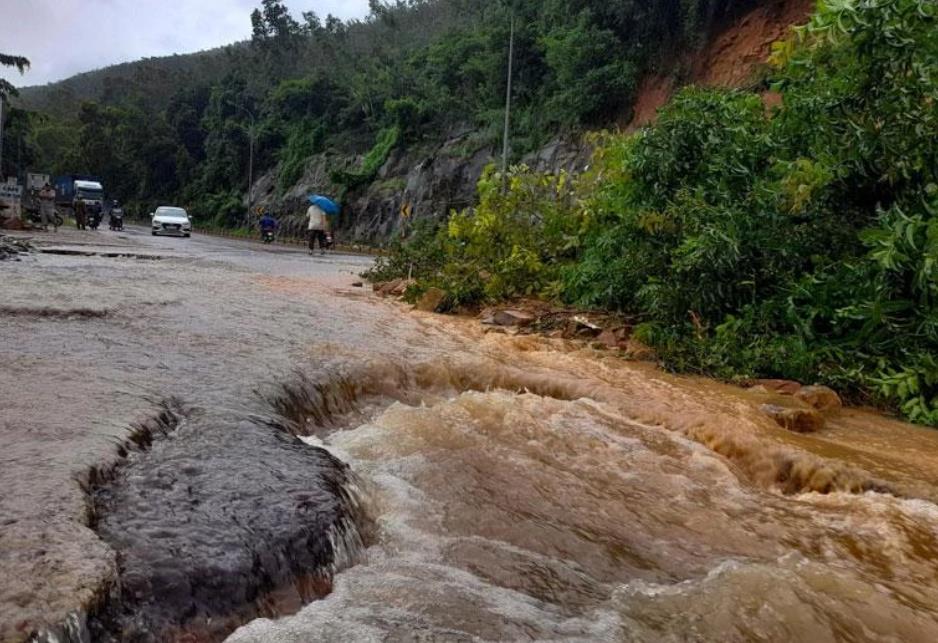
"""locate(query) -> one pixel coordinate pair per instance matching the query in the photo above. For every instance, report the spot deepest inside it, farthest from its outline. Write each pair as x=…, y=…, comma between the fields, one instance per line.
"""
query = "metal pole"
x=251, y=134
x=511, y=57
x=251, y=169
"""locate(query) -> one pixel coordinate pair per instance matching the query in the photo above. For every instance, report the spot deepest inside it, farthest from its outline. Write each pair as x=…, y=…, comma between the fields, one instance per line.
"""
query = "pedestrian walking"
x=47, y=206
x=81, y=214
x=318, y=225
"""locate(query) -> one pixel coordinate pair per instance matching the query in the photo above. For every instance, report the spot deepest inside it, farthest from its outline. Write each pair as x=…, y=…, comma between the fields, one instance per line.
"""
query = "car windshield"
x=172, y=212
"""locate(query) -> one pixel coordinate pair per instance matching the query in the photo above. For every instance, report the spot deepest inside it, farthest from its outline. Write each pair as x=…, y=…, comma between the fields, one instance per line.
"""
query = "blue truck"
x=66, y=190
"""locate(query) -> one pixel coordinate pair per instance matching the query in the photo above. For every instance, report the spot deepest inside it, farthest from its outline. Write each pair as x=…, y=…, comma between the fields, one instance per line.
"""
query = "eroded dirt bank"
x=352, y=471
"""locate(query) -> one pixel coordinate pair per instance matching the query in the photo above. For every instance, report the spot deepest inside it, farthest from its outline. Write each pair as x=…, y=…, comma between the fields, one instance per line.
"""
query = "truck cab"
x=91, y=192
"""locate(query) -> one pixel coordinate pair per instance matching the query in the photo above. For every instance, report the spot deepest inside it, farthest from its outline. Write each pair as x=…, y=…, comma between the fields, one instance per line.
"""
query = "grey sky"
x=65, y=37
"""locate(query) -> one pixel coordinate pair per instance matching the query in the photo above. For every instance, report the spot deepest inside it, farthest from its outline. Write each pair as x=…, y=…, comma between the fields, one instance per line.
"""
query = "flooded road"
x=309, y=462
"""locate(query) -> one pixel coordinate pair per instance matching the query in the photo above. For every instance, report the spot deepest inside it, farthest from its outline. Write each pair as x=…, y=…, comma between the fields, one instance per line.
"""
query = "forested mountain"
x=153, y=79
x=178, y=128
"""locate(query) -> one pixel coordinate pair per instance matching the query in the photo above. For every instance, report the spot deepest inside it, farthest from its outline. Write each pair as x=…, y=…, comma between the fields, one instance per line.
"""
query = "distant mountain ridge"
x=154, y=78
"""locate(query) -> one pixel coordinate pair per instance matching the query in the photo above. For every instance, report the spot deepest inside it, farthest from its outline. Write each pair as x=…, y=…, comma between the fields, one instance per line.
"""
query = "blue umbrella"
x=325, y=204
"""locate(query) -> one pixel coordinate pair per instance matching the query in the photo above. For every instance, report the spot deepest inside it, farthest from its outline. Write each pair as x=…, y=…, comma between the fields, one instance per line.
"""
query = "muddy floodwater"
x=206, y=438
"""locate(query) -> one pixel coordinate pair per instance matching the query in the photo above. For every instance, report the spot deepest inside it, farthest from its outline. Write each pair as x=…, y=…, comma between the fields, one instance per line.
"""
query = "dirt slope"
x=731, y=59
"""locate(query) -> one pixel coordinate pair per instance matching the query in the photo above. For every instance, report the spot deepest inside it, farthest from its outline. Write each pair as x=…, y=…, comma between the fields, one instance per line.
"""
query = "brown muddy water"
x=314, y=464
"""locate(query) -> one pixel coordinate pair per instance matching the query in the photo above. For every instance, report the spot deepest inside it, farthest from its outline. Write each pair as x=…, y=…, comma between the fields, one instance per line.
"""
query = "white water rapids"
x=549, y=495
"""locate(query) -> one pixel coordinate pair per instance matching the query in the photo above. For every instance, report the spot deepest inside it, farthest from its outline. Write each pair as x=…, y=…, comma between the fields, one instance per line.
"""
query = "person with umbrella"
x=318, y=212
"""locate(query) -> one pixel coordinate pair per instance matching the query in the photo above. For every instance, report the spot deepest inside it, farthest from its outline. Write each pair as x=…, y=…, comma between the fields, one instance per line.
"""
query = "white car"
x=169, y=220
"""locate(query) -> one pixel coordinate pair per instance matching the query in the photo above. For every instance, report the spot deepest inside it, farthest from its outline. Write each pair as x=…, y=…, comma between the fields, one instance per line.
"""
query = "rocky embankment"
x=422, y=182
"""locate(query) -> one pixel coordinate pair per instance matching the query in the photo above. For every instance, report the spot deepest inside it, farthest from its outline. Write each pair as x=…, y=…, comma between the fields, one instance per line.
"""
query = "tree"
x=276, y=37
x=6, y=60
x=7, y=89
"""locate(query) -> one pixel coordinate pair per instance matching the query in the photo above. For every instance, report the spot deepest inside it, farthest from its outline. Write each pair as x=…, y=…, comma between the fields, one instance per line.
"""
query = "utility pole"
x=251, y=134
x=511, y=60
x=251, y=168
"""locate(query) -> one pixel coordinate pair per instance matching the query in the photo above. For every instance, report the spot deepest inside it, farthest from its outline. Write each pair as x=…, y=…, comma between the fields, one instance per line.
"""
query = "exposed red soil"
x=654, y=92
x=730, y=60
x=735, y=54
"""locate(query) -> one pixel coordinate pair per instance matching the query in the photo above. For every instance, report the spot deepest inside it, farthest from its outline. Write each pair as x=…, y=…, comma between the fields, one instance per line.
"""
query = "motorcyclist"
x=116, y=218
x=268, y=223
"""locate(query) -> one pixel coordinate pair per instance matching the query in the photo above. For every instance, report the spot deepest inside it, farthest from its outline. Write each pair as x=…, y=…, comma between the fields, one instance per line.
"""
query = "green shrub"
x=419, y=255
x=387, y=140
x=798, y=242
x=303, y=141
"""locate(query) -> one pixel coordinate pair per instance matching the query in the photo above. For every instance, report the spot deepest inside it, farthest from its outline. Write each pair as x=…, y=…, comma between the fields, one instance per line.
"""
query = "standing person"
x=81, y=214
x=317, y=228
x=47, y=206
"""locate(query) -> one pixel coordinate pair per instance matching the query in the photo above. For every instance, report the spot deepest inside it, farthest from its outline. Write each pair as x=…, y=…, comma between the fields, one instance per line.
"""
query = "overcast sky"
x=64, y=37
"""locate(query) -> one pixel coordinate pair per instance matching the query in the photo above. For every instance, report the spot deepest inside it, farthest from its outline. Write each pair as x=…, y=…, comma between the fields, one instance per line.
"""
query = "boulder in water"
x=512, y=318
x=783, y=387
x=798, y=420
x=820, y=397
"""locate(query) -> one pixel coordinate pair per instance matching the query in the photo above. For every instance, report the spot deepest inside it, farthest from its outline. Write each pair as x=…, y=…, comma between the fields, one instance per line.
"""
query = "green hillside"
x=178, y=128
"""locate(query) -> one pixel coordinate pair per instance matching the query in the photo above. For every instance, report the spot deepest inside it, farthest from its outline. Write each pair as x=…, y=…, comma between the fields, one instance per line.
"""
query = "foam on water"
x=504, y=515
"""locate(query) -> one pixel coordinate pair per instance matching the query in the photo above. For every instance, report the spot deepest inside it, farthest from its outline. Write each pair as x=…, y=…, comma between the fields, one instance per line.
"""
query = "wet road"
x=410, y=477
x=93, y=346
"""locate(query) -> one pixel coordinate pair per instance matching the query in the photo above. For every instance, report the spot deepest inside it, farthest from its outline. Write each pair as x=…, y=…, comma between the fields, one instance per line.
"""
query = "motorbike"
x=94, y=218
x=35, y=218
x=116, y=220
x=267, y=236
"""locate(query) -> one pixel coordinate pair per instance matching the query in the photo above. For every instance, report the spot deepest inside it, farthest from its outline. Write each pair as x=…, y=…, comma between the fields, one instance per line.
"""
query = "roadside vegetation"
x=797, y=241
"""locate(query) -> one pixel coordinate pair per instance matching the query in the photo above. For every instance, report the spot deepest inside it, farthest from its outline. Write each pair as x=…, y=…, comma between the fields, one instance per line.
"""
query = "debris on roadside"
x=585, y=327
x=12, y=247
x=393, y=288
x=599, y=330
